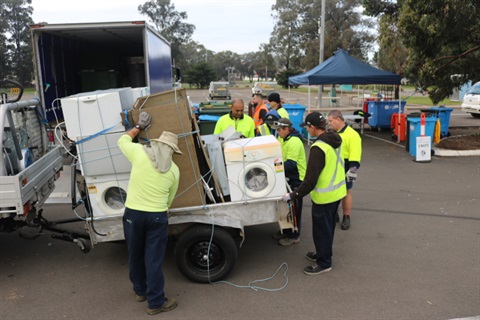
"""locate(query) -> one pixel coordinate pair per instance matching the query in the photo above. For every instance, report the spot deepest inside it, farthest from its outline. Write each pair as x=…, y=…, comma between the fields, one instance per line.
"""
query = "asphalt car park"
x=412, y=253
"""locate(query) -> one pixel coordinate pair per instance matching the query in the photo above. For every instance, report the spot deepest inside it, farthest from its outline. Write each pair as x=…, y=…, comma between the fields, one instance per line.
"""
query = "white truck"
x=207, y=236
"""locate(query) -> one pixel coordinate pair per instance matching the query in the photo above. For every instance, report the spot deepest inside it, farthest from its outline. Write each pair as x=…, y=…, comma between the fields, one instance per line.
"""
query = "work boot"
x=168, y=305
x=288, y=241
x=345, y=223
x=140, y=298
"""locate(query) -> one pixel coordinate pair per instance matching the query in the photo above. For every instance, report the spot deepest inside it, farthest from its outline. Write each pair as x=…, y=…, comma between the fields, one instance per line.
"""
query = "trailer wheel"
x=194, y=245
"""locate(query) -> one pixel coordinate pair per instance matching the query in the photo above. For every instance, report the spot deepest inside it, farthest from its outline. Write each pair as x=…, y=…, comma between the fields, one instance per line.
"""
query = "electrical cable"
x=250, y=284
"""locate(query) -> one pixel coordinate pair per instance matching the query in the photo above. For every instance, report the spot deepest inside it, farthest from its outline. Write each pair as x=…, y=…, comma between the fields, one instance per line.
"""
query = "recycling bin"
x=399, y=126
x=414, y=131
x=381, y=112
x=444, y=115
x=206, y=124
x=295, y=112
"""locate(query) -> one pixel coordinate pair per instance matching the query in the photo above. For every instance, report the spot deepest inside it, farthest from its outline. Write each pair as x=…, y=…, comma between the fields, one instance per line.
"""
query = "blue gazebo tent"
x=341, y=68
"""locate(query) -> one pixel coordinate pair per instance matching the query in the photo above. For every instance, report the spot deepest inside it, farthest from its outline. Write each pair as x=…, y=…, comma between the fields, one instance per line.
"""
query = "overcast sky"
x=236, y=25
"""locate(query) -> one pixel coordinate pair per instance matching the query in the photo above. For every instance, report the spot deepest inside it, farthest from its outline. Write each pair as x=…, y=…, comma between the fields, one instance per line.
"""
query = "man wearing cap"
x=295, y=163
x=275, y=104
x=261, y=111
x=265, y=128
x=152, y=187
x=237, y=119
x=352, y=154
x=325, y=181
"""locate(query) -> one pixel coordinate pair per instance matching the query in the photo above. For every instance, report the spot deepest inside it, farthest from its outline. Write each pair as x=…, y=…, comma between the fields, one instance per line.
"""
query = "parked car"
x=471, y=101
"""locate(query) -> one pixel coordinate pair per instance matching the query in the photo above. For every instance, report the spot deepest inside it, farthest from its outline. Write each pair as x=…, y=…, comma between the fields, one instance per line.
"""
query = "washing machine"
x=255, y=168
x=107, y=193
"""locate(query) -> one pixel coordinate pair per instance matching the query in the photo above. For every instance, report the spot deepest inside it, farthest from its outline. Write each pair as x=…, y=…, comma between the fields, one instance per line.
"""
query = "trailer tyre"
x=193, y=247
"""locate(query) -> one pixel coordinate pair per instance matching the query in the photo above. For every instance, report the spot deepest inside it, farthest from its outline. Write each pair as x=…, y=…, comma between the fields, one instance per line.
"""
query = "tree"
x=443, y=39
x=296, y=31
x=285, y=39
x=282, y=77
x=16, y=51
x=168, y=23
x=199, y=75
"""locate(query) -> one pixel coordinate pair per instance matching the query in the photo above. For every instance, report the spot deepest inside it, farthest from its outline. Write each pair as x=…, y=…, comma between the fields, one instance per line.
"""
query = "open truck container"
x=73, y=58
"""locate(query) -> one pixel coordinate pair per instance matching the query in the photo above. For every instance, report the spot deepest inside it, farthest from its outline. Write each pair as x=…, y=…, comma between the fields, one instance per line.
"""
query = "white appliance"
x=89, y=113
x=215, y=154
x=140, y=92
x=100, y=155
x=255, y=168
x=107, y=193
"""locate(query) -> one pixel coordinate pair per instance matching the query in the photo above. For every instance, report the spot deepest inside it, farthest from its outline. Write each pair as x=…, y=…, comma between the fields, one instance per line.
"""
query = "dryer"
x=255, y=168
x=107, y=193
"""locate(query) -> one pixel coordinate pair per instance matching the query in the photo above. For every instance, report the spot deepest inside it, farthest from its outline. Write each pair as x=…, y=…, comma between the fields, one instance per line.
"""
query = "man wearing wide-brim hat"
x=152, y=187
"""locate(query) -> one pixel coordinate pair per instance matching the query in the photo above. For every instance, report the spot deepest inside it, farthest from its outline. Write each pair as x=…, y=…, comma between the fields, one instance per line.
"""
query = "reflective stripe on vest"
x=263, y=130
x=332, y=192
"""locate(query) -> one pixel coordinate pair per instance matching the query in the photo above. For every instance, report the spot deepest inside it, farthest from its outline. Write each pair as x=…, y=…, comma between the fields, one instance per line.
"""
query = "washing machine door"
x=111, y=198
x=256, y=180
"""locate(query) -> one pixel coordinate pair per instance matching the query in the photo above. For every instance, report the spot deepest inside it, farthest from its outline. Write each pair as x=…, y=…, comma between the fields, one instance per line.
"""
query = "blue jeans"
x=146, y=235
x=323, y=227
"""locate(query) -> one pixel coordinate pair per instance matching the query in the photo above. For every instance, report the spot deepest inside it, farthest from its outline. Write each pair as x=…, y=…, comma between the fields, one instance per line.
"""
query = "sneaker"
x=278, y=235
x=314, y=270
x=168, y=305
x=312, y=256
x=288, y=241
x=140, y=298
x=345, y=223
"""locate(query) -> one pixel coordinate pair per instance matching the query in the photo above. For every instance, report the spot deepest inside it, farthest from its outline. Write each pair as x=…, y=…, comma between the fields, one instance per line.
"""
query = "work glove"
x=352, y=174
x=144, y=120
x=286, y=197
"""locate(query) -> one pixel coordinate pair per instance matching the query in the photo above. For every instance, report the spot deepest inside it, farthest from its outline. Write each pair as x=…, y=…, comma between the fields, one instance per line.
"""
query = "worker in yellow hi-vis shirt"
x=237, y=119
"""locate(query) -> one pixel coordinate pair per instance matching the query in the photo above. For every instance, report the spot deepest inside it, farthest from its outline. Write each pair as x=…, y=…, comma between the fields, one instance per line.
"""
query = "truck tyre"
x=193, y=246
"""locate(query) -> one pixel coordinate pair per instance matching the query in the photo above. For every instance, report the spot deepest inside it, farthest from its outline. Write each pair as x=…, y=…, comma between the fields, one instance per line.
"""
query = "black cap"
x=314, y=119
x=274, y=97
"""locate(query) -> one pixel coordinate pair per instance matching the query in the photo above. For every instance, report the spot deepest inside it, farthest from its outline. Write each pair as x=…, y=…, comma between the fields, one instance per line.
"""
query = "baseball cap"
x=282, y=123
x=314, y=119
x=271, y=118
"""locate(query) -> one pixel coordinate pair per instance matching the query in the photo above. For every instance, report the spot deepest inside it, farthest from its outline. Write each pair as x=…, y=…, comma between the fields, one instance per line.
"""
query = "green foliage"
x=441, y=39
x=296, y=40
x=169, y=23
x=15, y=48
x=199, y=75
x=282, y=77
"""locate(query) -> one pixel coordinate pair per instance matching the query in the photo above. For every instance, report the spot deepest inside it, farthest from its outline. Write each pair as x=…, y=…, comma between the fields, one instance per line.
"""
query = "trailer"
x=76, y=64
x=219, y=90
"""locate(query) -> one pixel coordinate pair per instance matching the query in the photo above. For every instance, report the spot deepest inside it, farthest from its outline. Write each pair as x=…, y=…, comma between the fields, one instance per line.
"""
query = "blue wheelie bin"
x=295, y=112
x=414, y=131
x=381, y=112
x=444, y=115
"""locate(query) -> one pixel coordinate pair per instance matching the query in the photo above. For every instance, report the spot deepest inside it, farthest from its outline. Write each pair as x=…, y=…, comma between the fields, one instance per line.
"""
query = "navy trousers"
x=146, y=234
x=323, y=227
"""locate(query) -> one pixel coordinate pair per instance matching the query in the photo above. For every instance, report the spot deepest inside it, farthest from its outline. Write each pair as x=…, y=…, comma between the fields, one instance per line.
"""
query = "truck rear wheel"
x=203, y=261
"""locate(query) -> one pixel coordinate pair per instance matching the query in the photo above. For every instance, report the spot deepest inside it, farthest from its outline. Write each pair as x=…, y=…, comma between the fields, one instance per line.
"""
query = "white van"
x=471, y=101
